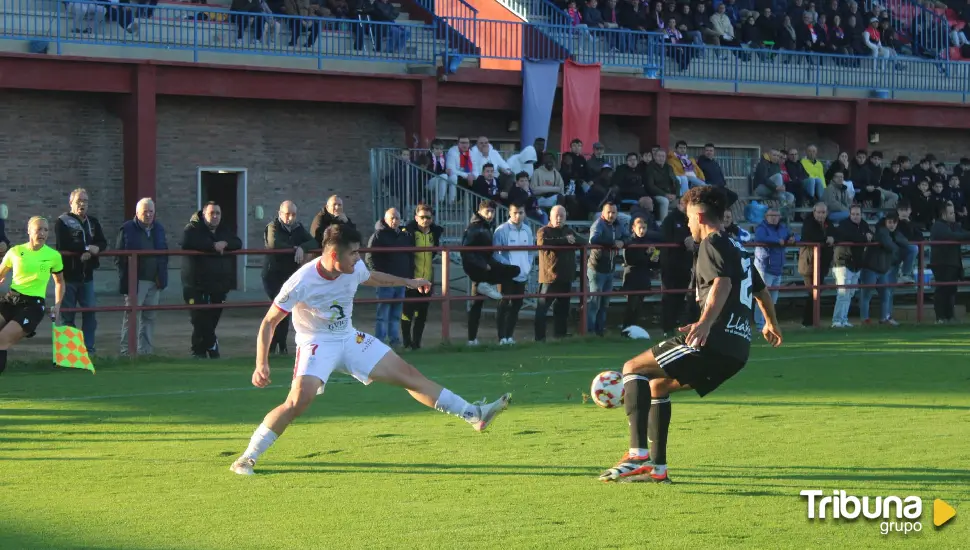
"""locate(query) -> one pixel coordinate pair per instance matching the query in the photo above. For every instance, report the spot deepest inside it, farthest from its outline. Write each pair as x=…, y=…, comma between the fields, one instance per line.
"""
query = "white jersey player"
x=320, y=295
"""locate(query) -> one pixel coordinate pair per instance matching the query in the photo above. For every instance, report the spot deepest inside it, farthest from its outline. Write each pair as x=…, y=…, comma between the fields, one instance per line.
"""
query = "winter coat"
x=602, y=260
x=212, y=272
x=392, y=263
x=770, y=260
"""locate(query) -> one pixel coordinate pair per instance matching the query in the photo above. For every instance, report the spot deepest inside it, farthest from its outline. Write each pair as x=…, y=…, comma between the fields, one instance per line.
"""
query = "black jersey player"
x=708, y=352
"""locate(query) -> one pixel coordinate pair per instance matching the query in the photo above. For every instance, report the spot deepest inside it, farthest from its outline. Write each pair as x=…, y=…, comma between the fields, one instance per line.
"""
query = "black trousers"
x=944, y=297
x=560, y=309
x=672, y=304
x=508, y=309
x=634, y=304
x=204, y=321
x=272, y=285
x=413, y=319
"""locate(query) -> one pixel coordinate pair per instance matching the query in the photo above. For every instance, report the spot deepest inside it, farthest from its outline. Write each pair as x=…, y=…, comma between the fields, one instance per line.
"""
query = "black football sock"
x=659, y=426
x=636, y=399
x=3, y=360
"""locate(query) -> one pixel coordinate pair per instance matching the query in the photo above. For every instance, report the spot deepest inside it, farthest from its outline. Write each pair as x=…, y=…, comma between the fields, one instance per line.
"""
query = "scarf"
x=688, y=165
x=465, y=159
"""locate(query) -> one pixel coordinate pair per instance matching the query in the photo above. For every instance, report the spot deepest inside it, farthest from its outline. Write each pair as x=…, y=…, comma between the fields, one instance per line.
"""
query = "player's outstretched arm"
x=771, y=331
x=698, y=332
x=273, y=317
x=378, y=278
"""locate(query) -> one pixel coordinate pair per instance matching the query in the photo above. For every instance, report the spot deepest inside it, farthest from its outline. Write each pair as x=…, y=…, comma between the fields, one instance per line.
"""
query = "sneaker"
x=243, y=466
x=627, y=467
x=473, y=343
x=486, y=289
x=506, y=342
x=905, y=279
x=488, y=411
x=846, y=324
x=838, y=324
x=889, y=321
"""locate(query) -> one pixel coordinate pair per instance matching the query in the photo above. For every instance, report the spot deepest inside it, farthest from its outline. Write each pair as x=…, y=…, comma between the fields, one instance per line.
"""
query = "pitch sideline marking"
x=467, y=375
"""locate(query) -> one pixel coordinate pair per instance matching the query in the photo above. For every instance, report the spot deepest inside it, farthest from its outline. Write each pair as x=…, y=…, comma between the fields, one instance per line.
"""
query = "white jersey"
x=322, y=308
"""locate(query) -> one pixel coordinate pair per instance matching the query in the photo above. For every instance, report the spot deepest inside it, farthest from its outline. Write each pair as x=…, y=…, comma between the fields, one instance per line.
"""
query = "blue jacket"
x=133, y=236
x=771, y=260
x=603, y=260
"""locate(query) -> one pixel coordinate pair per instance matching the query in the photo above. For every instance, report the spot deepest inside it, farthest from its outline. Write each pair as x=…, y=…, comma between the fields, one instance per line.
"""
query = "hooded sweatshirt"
x=524, y=161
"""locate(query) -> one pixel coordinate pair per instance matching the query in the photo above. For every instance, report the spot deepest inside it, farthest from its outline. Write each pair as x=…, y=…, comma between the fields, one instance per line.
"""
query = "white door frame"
x=242, y=209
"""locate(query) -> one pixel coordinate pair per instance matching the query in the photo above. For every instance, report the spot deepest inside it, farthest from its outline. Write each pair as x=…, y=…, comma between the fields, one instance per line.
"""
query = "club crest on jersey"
x=360, y=338
x=337, y=319
x=284, y=298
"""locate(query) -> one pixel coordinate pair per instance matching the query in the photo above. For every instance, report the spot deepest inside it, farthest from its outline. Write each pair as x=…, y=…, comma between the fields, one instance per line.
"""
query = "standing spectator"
x=142, y=233
x=836, y=198
x=879, y=267
x=207, y=278
x=815, y=230
x=675, y=267
x=770, y=261
x=557, y=270
x=388, y=234
x=284, y=232
x=610, y=237
x=661, y=183
x=946, y=262
x=480, y=266
x=638, y=265
x=422, y=232
x=848, y=262
x=80, y=234
x=513, y=233
x=580, y=171
x=333, y=212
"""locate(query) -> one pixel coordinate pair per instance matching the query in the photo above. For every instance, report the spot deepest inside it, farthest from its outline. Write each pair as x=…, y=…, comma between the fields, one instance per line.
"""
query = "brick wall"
x=947, y=144
x=298, y=151
x=51, y=143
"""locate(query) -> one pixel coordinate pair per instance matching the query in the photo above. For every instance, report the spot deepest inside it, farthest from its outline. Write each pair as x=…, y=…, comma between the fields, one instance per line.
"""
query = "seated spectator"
x=836, y=198
x=713, y=174
x=770, y=261
x=841, y=164
x=547, y=183
x=594, y=165
x=592, y=16
x=661, y=183
x=579, y=171
x=733, y=229
x=879, y=267
x=722, y=25
x=938, y=196
x=459, y=164
x=487, y=185
x=956, y=196
x=787, y=38
x=873, y=41
x=687, y=25
x=524, y=161
x=807, y=36
x=922, y=202
x=483, y=153
x=702, y=22
x=591, y=196
x=678, y=50
x=436, y=163
x=298, y=10
x=869, y=196
x=85, y=16
x=768, y=180
x=389, y=36
x=521, y=194
x=688, y=173
x=838, y=41
x=247, y=13
x=627, y=182
x=809, y=189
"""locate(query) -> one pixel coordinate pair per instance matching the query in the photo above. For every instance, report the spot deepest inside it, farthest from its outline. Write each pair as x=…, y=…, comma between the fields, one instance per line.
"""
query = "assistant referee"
x=32, y=264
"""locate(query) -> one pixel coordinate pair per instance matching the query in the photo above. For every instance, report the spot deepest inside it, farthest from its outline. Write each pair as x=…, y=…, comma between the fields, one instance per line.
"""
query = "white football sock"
x=639, y=453
x=452, y=404
x=262, y=438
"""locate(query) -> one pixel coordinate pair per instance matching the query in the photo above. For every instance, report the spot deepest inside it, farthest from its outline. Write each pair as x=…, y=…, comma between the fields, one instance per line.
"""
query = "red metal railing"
x=446, y=297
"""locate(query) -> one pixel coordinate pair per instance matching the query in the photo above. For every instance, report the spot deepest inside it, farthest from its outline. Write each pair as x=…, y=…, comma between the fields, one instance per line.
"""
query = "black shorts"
x=26, y=311
x=704, y=370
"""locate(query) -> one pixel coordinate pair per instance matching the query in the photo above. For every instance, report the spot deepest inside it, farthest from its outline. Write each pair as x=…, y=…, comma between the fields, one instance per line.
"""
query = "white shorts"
x=356, y=355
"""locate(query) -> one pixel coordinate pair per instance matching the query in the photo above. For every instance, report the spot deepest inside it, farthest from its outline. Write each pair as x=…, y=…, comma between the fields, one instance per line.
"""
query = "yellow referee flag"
x=69, y=350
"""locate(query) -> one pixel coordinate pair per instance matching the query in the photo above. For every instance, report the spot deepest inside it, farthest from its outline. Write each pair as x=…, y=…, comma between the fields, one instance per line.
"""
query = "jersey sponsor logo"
x=739, y=326
x=284, y=298
x=337, y=320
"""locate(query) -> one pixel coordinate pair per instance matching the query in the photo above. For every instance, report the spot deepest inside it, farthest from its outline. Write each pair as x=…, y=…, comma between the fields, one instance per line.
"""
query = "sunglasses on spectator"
x=424, y=217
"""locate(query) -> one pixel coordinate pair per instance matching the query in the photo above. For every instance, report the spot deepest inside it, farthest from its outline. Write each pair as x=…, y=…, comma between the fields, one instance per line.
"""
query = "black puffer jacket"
x=851, y=256
x=884, y=253
x=71, y=234
x=392, y=263
x=321, y=222
x=676, y=259
x=478, y=233
x=276, y=236
x=212, y=272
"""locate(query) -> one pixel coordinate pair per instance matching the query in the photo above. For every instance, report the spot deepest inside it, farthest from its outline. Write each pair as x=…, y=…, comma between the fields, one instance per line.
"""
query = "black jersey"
x=719, y=255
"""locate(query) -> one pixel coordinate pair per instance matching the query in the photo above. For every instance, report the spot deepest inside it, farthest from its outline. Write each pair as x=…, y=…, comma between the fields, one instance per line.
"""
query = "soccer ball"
x=607, y=389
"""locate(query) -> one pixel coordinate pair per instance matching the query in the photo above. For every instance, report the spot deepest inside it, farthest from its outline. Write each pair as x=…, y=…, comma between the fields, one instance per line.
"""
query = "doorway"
x=227, y=187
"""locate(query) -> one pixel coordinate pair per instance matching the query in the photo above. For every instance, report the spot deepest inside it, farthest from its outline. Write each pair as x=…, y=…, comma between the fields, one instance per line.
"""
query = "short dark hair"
x=424, y=207
x=488, y=165
x=437, y=143
x=904, y=204
x=517, y=205
x=892, y=216
x=635, y=155
x=575, y=141
x=522, y=174
x=486, y=204
x=607, y=203
x=711, y=198
x=711, y=145
x=210, y=203
x=681, y=142
x=855, y=206
x=341, y=236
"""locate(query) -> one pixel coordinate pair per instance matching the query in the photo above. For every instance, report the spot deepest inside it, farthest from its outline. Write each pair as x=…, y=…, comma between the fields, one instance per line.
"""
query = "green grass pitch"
x=137, y=456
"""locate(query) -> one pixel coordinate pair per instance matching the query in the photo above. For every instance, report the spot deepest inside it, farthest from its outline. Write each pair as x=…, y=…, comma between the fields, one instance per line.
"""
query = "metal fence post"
x=816, y=290
x=583, y=291
x=132, y=304
x=920, y=274
x=446, y=301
